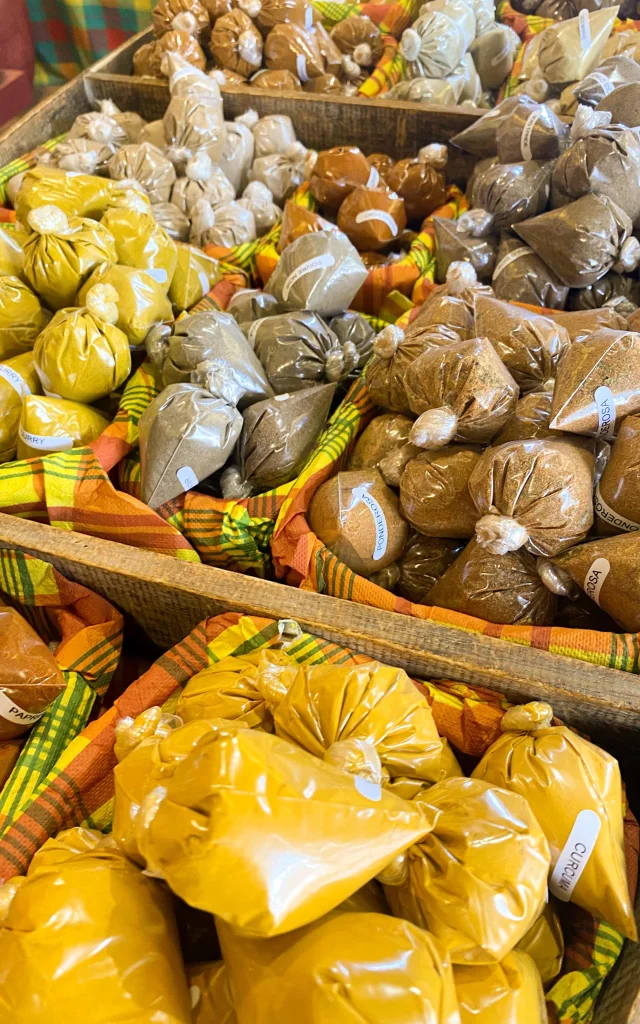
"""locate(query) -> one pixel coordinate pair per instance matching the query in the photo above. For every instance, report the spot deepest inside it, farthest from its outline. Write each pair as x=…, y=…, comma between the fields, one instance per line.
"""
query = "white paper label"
x=251, y=333
x=362, y=494
x=608, y=515
x=186, y=477
x=527, y=132
x=382, y=215
x=595, y=577
x=370, y=790
x=15, y=380
x=46, y=444
x=180, y=73
x=301, y=67
x=204, y=281
x=585, y=29
x=374, y=178
x=606, y=406
x=308, y=18
x=14, y=713
x=510, y=258
x=325, y=259
x=158, y=274
x=575, y=854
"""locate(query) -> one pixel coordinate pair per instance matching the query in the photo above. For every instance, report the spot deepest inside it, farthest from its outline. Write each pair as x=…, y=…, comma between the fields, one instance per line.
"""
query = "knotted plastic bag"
x=372, y=218
x=321, y=272
x=522, y=276
x=227, y=689
x=530, y=417
x=152, y=59
x=142, y=301
x=165, y=12
x=535, y=494
x=298, y=350
x=509, y=992
x=82, y=155
x=530, y=131
x=434, y=493
x=420, y=181
x=18, y=378
x=21, y=317
x=469, y=238
x=230, y=224
x=282, y=173
x=55, y=425
x=530, y=346
x=294, y=48
x=77, y=195
x=61, y=253
x=513, y=192
x=142, y=243
x=383, y=436
x=438, y=39
x=259, y=200
x=241, y=830
x=148, y=166
x=236, y=43
x=297, y=221
x=30, y=679
x=571, y=49
x=203, y=180
x=494, y=53
x=237, y=156
x=337, y=172
x=574, y=789
x=11, y=255
x=89, y=936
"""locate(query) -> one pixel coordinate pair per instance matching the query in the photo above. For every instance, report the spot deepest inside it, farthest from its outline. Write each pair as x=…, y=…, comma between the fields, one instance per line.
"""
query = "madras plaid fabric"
x=23, y=163
x=81, y=793
x=389, y=17
x=391, y=68
x=69, y=35
x=90, y=639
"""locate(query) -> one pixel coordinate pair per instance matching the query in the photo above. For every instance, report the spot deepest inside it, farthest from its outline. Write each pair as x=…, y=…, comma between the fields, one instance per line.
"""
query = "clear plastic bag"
x=423, y=562
x=511, y=988
x=434, y=494
x=530, y=346
x=203, y=180
x=273, y=134
x=142, y=243
x=21, y=317
x=513, y=192
x=384, y=435
x=236, y=43
x=293, y=48
x=282, y=173
x=437, y=41
x=604, y=161
x=530, y=418
x=453, y=244
x=194, y=276
x=372, y=218
x=571, y=49
x=298, y=350
x=259, y=200
x=494, y=53
x=321, y=272
x=18, y=378
x=520, y=275
x=618, y=494
x=147, y=166
x=237, y=156
x=56, y=425
x=337, y=172
x=531, y=131
x=421, y=181
x=193, y=124
x=142, y=302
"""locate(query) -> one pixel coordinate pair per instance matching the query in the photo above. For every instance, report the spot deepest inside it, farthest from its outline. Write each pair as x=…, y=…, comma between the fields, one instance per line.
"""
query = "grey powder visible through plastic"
x=513, y=192
x=298, y=350
x=321, y=272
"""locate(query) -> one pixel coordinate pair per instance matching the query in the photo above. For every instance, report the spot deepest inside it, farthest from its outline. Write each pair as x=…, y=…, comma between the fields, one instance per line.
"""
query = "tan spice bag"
x=434, y=493
x=571, y=49
x=574, y=789
x=608, y=570
x=529, y=345
x=384, y=435
x=393, y=353
x=530, y=418
x=321, y=272
x=617, y=501
x=582, y=322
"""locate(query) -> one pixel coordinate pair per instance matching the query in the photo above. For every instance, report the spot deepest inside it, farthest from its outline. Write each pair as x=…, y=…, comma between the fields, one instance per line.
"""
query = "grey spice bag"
x=605, y=161
x=513, y=192
x=321, y=272
x=522, y=276
x=298, y=350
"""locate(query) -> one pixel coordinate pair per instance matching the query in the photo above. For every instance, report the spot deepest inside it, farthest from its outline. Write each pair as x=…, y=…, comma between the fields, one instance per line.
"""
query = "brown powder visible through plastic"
x=384, y=435
x=423, y=562
x=608, y=570
x=619, y=486
x=434, y=493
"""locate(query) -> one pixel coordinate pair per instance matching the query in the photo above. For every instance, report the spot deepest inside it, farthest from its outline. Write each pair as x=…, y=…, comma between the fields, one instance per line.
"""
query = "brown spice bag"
x=166, y=10
x=609, y=290
x=535, y=494
x=580, y=323
x=531, y=131
x=453, y=243
x=356, y=515
x=513, y=192
x=530, y=417
x=522, y=276
x=462, y=391
x=293, y=48
x=297, y=221
x=434, y=492
x=282, y=80
x=150, y=59
x=382, y=163
x=617, y=501
x=420, y=182
x=393, y=353
x=337, y=172
x=278, y=12
x=530, y=346
x=605, y=161
x=360, y=38
x=236, y=43
x=498, y=588
x=481, y=137
x=423, y=562
x=30, y=679
x=384, y=435
x=608, y=570
x=371, y=218
x=597, y=384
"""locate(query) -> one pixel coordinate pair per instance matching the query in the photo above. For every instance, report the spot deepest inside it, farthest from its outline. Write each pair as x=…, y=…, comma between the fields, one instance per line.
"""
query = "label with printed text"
x=527, y=132
x=379, y=520
x=595, y=577
x=382, y=215
x=585, y=29
x=251, y=333
x=15, y=380
x=575, y=854
x=374, y=178
x=517, y=254
x=606, y=406
x=46, y=444
x=607, y=514
x=12, y=712
x=325, y=259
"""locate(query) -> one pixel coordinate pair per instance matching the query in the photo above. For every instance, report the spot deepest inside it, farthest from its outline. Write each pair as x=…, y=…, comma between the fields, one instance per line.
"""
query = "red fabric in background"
x=16, y=54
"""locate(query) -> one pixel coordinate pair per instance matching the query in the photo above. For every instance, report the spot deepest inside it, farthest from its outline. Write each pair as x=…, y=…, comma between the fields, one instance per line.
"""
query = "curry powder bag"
x=228, y=689
x=11, y=251
x=77, y=195
x=506, y=993
x=210, y=993
x=55, y=425
x=195, y=275
x=142, y=243
x=544, y=942
x=21, y=317
x=574, y=789
x=18, y=378
x=142, y=302
x=530, y=346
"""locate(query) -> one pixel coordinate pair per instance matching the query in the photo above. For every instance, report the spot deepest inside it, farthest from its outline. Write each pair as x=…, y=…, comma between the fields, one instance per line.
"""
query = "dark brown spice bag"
x=423, y=562
x=353, y=327
x=529, y=345
x=371, y=218
x=605, y=291
x=454, y=243
x=298, y=350
x=30, y=679
x=531, y=131
x=513, y=192
x=380, y=438
x=522, y=276
x=434, y=492
x=480, y=138
x=617, y=501
x=606, y=162
x=337, y=172
x=608, y=570
x=420, y=181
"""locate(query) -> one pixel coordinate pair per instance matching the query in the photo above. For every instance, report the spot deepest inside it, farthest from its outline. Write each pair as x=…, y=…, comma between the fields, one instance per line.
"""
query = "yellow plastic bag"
x=142, y=243
x=478, y=879
x=266, y=836
x=21, y=317
x=195, y=275
x=55, y=424
x=316, y=706
x=141, y=300
x=347, y=968
x=81, y=354
x=575, y=791
x=506, y=993
x=227, y=690
x=210, y=994
x=11, y=255
x=61, y=253
x=18, y=378
x=89, y=937
x=78, y=195
x=544, y=942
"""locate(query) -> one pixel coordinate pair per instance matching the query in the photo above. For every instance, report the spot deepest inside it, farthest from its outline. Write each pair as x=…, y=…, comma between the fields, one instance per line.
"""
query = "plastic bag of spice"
x=384, y=435
x=478, y=880
x=282, y=173
x=293, y=48
x=174, y=221
x=18, y=378
x=298, y=350
x=227, y=689
x=372, y=218
x=445, y=91
x=535, y=494
x=434, y=493
x=81, y=354
x=582, y=322
x=356, y=516
x=583, y=240
x=259, y=200
x=278, y=12
x=228, y=225
x=436, y=42
x=607, y=570
x=522, y=276
x=142, y=302
x=150, y=59
x=321, y=272
x=337, y=172
x=237, y=156
x=544, y=943
x=530, y=131
x=250, y=304
x=11, y=254
x=493, y=54
x=146, y=165
x=83, y=155
x=55, y=425
x=360, y=38
x=612, y=72
x=61, y=253
x=422, y=563
x=21, y=317
x=210, y=993
x=77, y=195
x=530, y=346
x=166, y=10
x=480, y=137
x=513, y=192
x=203, y=180
x=530, y=418
x=236, y=43
x=509, y=991
x=394, y=350
x=462, y=391
x=470, y=238
x=297, y=221
x=571, y=49
x=504, y=588
x=596, y=385
x=618, y=291
x=421, y=181
x=142, y=243
x=30, y=680
x=622, y=105
x=194, y=276
x=574, y=789
x=617, y=501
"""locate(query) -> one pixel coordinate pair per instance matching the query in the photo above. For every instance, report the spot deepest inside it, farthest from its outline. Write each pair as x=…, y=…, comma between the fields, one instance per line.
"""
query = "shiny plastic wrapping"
x=372, y=218
x=503, y=588
x=282, y=173
x=569, y=50
x=520, y=275
x=453, y=244
x=55, y=425
x=388, y=970
x=150, y=59
x=203, y=180
x=146, y=165
x=356, y=515
x=233, y=224
x=142, y=243
x=321, y=272
x=353, y=328
x=337, y=172
x=297, y=221
x=420, y=183
x=478, y=880
x=605, y=161
x=210, y=994
x=77, y=195
x=618, y=496
x=444, y=91
x=18, y=378
x=236, y=43
x=596, y=384
x=291, y=47
x=166, y=10
x=30, y=680
x=298, y=350
x=607, y=571
x=506, y=993
x=530, y=346
x=530, y=131
x=278, y=12
x=21, y=317
x=530, y=418
x=11, y=254
x=513, y=192
x=279, y=435
x=582, y=322
x=174, y=221
x=142, y=302
x=237, y=156
x=494, y=54
x=544, y=942
x=227, y=689
x=88, y=936
x=193, y=124
x=574, y=789
x=434, y=493
x=386, y=372
x=360, y=38
x=273, y=134
x=436, y=43
x=266, y=836
x=607, y=290
x=194, y=276
x=259, y=200
x=83, y=155
x=535, y=494
x=422, y=563
x=283, y=81
x=581, y=241
x=384, y=435
x=186, y=434
x=249, y=305
x=480, y=137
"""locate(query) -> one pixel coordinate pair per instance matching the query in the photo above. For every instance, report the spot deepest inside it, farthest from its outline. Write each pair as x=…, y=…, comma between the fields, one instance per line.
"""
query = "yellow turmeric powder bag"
x=506, y=993
x=77, y=195
x=61, y=252
x=478, y=878
x=228, y=689
x=142, y=243
x=142, y=302
x=12, y=240
x=575, y=791
x=21, y=317
x=210, y=993
x=194, y=276
x=55, y=424
x=266, y=836
x=317, y=706
x=344, y=968
x=81, y=355
x=544, y=942
x=18, y=378
x=89, y=937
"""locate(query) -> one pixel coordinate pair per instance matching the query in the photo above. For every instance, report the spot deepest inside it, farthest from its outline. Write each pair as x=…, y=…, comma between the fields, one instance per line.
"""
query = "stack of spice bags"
x=313, y=817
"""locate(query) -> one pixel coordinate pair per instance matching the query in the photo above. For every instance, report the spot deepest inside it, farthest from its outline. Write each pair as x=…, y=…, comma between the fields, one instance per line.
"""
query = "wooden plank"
x=49, y=118
x=169, y=597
